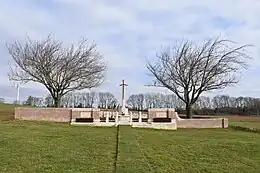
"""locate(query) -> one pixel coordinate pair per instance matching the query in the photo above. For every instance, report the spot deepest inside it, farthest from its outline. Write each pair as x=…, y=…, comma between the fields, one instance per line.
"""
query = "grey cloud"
x=141, y=37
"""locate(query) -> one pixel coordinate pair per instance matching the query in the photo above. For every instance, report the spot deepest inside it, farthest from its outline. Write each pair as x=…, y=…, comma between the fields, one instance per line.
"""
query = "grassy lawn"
x=244, y=121
x=130, y=156
x=54, y=147
x=58, y=147
x=6, y=112
x=212, y=150
x=255, y=125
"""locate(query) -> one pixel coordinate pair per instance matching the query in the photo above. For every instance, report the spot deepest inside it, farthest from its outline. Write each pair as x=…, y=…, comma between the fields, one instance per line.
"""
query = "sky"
x=128, y=33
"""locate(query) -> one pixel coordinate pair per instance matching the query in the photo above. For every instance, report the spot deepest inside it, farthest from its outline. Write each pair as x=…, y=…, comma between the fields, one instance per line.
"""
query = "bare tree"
x=102, y=100
x=66, y=100
x=232, y=102
x=154, y=100
x=48, y=101
x=151, y=100
x=106, y=100
x=171, y=101
x=203, y=102
x=159, y=100
x=89, y=99
x=60, y=69
x=148, y=100
x=140, y=101
x=136, y=101
x=111, y=101
x=132, y=101
x=34, y=101
x=191, y=69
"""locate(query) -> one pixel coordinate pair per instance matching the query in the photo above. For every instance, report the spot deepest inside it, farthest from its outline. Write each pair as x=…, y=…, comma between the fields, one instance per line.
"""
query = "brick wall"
x=160, y=113
x=55, y=114
x=203, y=123
x=86, y=113
x=43, y=114
x=187, y=123
x=66, y=114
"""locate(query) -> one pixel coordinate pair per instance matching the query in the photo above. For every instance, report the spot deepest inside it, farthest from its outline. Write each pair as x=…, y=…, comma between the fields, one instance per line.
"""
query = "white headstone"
x=140, y=117
x=107, y=117
x=131, y=117
x=116, y=120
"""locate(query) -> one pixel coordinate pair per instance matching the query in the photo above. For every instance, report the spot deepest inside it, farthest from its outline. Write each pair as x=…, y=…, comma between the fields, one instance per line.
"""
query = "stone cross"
x=123, y=96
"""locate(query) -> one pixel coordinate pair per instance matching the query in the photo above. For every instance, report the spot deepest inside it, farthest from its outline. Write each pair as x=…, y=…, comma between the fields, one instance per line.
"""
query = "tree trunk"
x=56, y=102
x=188, y=111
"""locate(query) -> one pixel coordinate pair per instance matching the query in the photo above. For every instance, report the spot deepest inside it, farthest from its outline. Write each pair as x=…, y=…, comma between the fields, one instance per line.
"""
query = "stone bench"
x=85, y=115
x=161, y=115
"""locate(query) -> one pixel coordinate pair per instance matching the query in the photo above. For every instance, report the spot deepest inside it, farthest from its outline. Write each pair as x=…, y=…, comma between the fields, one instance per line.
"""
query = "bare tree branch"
x=60, y=70
x=190, y=69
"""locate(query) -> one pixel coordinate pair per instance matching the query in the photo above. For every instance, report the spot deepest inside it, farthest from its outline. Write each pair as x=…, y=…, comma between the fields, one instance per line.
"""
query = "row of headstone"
x=139, y=117
x=131, y=117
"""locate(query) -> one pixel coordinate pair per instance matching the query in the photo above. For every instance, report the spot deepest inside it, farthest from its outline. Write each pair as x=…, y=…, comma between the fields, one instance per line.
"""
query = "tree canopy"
x=189, y=69
x=60, y=69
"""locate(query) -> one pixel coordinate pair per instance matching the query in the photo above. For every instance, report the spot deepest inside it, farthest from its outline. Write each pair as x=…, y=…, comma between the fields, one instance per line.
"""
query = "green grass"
x=255, y=125
x=130, y=156
x=7, y=111
x=57, y=147
x=204, y=150
x=54, y=147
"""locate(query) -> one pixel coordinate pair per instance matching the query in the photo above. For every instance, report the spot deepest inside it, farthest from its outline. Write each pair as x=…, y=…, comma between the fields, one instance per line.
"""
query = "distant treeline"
x=217, y=105
x=77, y=100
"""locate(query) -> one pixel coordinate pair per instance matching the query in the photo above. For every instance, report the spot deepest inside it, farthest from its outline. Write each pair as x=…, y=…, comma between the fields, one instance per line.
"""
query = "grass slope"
x=53, y=147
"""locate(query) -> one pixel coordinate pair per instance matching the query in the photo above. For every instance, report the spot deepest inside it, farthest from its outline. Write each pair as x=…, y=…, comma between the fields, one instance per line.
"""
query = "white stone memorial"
x=124, y=117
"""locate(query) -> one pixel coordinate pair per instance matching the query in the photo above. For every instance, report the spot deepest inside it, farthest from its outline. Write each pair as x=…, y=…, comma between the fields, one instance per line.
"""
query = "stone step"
x=123, y=119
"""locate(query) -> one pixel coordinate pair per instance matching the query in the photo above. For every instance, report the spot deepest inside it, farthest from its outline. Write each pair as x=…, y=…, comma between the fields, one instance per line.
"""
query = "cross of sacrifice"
x=123, y=84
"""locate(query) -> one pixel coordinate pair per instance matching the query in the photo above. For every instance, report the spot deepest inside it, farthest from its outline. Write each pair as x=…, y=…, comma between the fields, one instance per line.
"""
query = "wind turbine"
x=17, y=86
x=18, y=94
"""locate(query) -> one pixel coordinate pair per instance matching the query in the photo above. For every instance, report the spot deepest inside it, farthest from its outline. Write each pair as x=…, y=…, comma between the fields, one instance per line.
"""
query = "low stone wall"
x=160, y=113
x=70, y=115
x=86, y=113
x=43, y=114
x=55, y=114
x=186, y=123
x=166, y=126
x=203, y=123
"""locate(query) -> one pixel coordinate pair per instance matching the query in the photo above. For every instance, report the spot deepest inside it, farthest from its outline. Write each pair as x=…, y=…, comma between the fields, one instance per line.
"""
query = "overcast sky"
x=128, y=32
